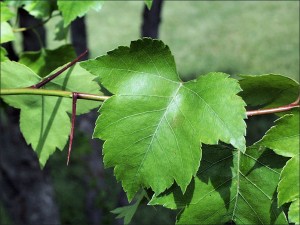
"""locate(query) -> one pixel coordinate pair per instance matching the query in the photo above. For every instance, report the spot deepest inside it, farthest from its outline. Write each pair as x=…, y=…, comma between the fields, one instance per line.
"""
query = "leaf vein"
x=260, y=163
x=133, y=115
x=251, y=208
x=211, y=109
x=147, y=151
x=256, y=186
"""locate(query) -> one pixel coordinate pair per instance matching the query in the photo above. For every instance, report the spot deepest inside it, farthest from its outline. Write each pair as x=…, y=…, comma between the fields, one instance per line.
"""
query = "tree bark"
x=152, y=19
x=79, y=37
x=34, y=39
x=26, y=190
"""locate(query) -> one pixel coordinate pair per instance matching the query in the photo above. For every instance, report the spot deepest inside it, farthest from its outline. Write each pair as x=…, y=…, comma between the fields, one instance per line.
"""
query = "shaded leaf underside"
x=230, y=186
x=283, y=139
x=268, y=90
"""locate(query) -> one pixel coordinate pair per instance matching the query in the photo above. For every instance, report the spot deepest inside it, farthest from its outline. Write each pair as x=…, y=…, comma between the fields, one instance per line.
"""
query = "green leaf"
x=3, y=54
x=40, y=9
x=269, y=90
x=283, y=138
x=44, y=61
x=230, y=186
x=155, y=123
x=288, y=187
x=44, y=120
x=6, y=33
x=148, y=3
x=61, y=32
x=70, y=10
x=37, y=8
x=6, y=14
x=294, y=216
x=15, y=4
x=127, y=212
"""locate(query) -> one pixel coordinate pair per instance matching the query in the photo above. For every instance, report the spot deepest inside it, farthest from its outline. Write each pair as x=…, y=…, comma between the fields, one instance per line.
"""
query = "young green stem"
x=56, y=93
x=74, y=103
x=48, y=79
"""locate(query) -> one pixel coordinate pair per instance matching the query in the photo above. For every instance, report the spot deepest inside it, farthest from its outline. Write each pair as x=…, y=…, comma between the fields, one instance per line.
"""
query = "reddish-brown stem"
x=74, y=103
x=284, y=108
x=48, y=79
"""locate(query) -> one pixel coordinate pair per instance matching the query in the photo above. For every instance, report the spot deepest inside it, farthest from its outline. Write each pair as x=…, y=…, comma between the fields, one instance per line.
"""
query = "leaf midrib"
x=157, y=128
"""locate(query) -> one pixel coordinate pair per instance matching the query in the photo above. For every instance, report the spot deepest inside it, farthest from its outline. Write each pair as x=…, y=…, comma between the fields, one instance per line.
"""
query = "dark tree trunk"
x=79, y=36
x=11, y=54
x=34, y=38
x=26, y=190
x=152, y=19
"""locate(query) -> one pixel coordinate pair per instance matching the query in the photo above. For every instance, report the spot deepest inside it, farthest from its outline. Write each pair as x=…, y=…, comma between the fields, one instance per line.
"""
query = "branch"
x=22, y=29
x=284, y=108
x=48, y=79
x=93, y=97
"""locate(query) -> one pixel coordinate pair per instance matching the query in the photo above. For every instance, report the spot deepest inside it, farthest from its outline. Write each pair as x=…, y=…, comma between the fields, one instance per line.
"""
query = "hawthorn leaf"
x=40, y=9
x=70, y=10
x=283, y=139
x=44, y=61
x=268, y=90
x=229, y=186
x=37, y=8
x=3, y=54
x=148, y=3
x=294, y=216
x=127, y=212
x=6, y=14
x=6, y=32
x=44, y=120
x=288, y=187
x=61, y=32
x=15, y=4
x=155, y=123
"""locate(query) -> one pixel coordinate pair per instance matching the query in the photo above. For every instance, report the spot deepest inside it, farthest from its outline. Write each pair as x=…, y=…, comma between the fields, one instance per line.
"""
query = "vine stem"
x=93, y=97
x=51, y=77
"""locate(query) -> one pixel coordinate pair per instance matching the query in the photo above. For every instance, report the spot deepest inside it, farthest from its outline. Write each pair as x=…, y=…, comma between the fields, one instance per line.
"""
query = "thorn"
x=48, y=79
x=74, y=102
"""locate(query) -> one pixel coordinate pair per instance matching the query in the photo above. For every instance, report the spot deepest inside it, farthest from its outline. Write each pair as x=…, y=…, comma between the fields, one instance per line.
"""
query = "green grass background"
x=237, y=37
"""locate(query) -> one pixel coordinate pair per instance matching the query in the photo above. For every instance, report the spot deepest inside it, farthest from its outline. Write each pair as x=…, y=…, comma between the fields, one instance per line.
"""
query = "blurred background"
x=235, y=37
